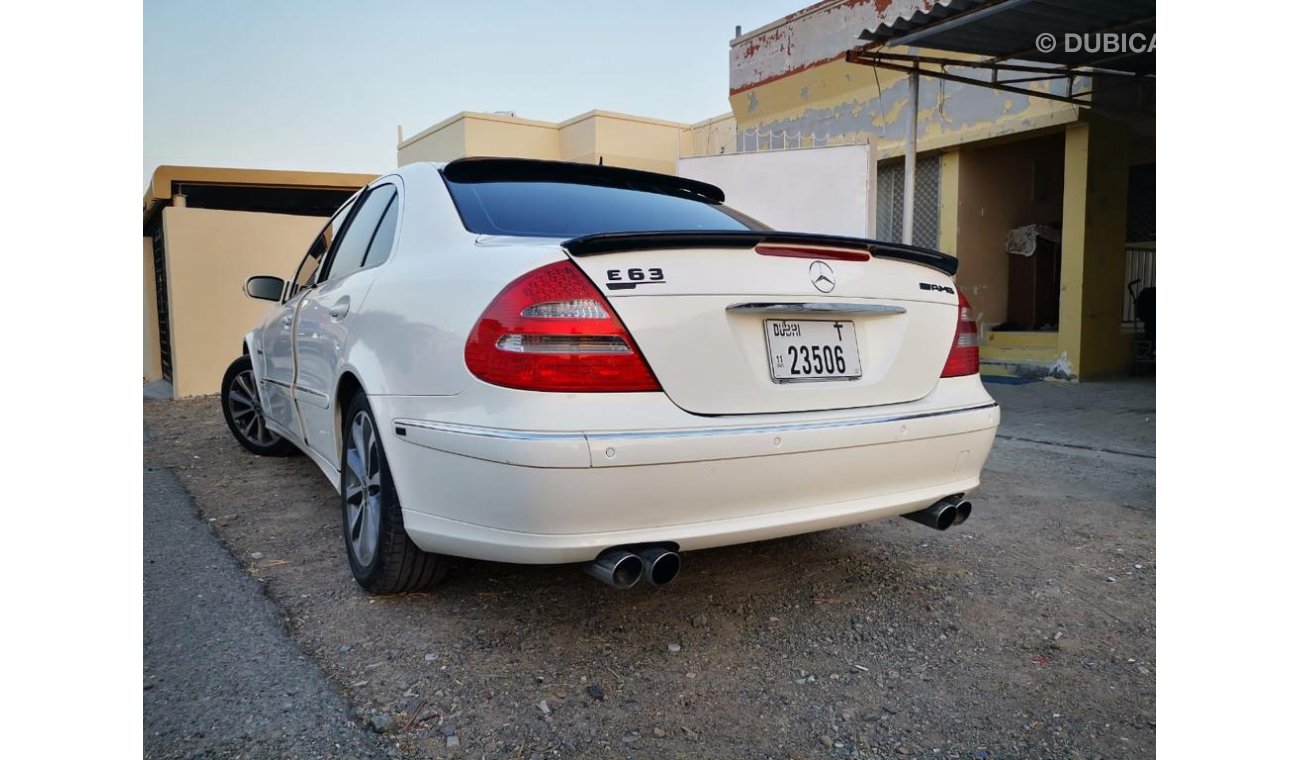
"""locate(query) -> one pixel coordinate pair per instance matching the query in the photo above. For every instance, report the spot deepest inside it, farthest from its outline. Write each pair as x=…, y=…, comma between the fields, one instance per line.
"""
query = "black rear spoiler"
x=618, y=242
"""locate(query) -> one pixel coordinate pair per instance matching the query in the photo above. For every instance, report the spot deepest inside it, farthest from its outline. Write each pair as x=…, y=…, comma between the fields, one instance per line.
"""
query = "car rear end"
x=668, y=372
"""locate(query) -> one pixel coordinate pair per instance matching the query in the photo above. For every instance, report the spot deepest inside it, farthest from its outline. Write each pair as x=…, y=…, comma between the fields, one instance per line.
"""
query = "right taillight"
x=551, y=330
x=964, y=358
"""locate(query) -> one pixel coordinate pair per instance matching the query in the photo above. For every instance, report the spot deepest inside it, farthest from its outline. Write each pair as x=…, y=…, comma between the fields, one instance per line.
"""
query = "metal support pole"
x=909, y=160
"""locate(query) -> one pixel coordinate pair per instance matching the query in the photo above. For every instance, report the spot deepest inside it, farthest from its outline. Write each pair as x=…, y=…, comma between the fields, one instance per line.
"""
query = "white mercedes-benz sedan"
x=544, y=362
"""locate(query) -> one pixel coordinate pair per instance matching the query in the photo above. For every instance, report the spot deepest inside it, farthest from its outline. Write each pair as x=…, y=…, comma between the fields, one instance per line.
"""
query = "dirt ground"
x=1028, y=632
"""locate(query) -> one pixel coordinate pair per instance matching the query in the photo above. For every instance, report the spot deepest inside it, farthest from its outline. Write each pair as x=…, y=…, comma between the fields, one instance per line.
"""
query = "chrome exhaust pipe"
x=658, y=565
x=942, y=514
x=617, y=567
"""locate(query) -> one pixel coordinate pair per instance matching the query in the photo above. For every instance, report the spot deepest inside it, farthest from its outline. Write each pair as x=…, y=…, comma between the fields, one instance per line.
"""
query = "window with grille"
x=889, y=202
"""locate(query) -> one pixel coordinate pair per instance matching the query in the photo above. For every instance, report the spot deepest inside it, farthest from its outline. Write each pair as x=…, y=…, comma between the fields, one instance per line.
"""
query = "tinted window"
x=382, y=243
x=571, y=209
x=351, y=248
x=306, y=274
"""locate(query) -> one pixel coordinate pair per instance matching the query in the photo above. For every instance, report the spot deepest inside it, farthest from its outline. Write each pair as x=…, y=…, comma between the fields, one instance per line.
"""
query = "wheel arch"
x=347, y=388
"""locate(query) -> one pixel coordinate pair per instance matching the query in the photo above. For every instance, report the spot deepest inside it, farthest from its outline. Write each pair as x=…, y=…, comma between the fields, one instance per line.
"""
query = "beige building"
x=206, y=230
x=636, y=142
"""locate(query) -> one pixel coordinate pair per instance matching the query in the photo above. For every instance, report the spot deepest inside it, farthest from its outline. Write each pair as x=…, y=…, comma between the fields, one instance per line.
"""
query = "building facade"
x=994, y=169
x=635, y=142
x=1049, y=207
x=206, y=231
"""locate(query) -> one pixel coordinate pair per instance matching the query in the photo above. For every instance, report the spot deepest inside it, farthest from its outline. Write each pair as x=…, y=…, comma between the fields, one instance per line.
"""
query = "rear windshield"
x=571, y=209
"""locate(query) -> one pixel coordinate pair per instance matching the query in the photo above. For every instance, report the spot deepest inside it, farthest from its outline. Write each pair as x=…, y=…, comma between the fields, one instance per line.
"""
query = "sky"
x=323, y=85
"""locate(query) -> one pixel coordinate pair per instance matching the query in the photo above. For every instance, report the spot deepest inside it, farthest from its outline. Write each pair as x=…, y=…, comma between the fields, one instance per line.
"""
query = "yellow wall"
x=1093, y=250
x=838, y=101
x=152, y=352
x=209, y=256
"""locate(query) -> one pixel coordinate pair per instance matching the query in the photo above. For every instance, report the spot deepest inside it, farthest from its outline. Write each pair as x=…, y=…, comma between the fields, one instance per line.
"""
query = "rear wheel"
x=382, y=556
x=242, y=407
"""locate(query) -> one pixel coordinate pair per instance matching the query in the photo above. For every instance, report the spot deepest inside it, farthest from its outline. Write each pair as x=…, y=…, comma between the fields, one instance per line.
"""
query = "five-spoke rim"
x=246, y=410
x=362, y=487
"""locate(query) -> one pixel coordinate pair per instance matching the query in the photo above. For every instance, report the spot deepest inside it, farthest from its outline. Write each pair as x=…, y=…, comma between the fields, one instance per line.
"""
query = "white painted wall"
x=827, y=190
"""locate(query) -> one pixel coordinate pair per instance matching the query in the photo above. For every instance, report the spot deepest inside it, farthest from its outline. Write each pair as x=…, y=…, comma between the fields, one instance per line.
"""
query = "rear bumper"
x=535, y=496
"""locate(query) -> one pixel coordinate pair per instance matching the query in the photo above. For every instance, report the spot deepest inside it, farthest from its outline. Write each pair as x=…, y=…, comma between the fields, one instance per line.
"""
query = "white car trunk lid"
x=722, y=318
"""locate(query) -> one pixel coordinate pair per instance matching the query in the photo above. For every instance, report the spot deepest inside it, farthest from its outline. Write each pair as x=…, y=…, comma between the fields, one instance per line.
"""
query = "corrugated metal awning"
x=1097, y=54
x=1002, y=30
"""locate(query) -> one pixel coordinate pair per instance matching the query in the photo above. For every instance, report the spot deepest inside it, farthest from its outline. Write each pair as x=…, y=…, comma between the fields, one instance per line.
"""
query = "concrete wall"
x=819, y=190
x=504, y=136
x=209, y=256
x=999, y=188
x=436, y=143
x=710, y=137
x=152, y=353
x=636, y=142
x=578, y=140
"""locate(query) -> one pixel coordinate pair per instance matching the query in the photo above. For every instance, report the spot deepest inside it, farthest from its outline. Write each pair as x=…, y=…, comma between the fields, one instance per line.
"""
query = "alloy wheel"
x=246, y=410
x=362, y=487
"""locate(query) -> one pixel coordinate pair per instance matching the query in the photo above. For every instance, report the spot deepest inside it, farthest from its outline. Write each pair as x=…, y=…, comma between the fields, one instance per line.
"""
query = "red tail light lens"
x=964, y=358
x=551, y=330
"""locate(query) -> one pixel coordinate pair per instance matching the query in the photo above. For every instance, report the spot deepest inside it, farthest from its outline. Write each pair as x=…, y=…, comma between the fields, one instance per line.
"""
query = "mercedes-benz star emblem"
x=822, y=276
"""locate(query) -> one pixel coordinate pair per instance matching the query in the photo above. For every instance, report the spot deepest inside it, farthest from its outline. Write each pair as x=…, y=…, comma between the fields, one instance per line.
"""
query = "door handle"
x=340, y=308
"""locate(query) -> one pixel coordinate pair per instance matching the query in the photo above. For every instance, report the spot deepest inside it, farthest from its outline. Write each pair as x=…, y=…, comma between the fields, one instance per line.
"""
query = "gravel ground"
x=1028, y=632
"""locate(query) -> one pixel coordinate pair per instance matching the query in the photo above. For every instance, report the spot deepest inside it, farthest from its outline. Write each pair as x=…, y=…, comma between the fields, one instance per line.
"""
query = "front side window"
x=568, y=209
x=306, y=274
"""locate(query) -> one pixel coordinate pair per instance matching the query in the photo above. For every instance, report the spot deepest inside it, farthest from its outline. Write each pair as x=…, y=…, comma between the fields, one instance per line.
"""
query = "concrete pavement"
x=1119, y=416
x=222, y=678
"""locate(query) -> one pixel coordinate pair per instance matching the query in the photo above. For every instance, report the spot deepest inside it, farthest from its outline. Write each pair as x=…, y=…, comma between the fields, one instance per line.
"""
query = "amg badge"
x=627, y=279
x=940, y=288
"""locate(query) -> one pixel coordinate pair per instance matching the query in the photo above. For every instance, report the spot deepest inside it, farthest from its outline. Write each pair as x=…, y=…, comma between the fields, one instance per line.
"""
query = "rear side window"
x=382, y=243
x=574, y=209
x=351, y=248
x=306, y=274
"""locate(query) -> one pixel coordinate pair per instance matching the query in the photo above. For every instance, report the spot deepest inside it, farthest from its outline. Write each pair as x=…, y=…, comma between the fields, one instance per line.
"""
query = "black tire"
x=242, y=408
x=395, y=564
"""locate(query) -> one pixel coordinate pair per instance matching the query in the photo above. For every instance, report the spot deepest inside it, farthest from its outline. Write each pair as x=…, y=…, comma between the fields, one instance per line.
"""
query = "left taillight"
x=964, y=356
x=551, y=330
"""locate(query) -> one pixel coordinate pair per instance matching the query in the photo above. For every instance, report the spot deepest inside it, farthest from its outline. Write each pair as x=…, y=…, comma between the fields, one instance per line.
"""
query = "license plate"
x=804, y=350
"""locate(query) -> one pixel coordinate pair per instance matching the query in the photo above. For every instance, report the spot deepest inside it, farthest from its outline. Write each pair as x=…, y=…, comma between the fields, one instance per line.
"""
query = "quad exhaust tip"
x=622, y=568
x=616, y=567
x=659, y=565
x=943, y=514
x=963, y=509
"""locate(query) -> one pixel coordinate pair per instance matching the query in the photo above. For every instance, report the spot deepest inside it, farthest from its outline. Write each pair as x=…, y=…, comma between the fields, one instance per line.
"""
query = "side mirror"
x=265, y=288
